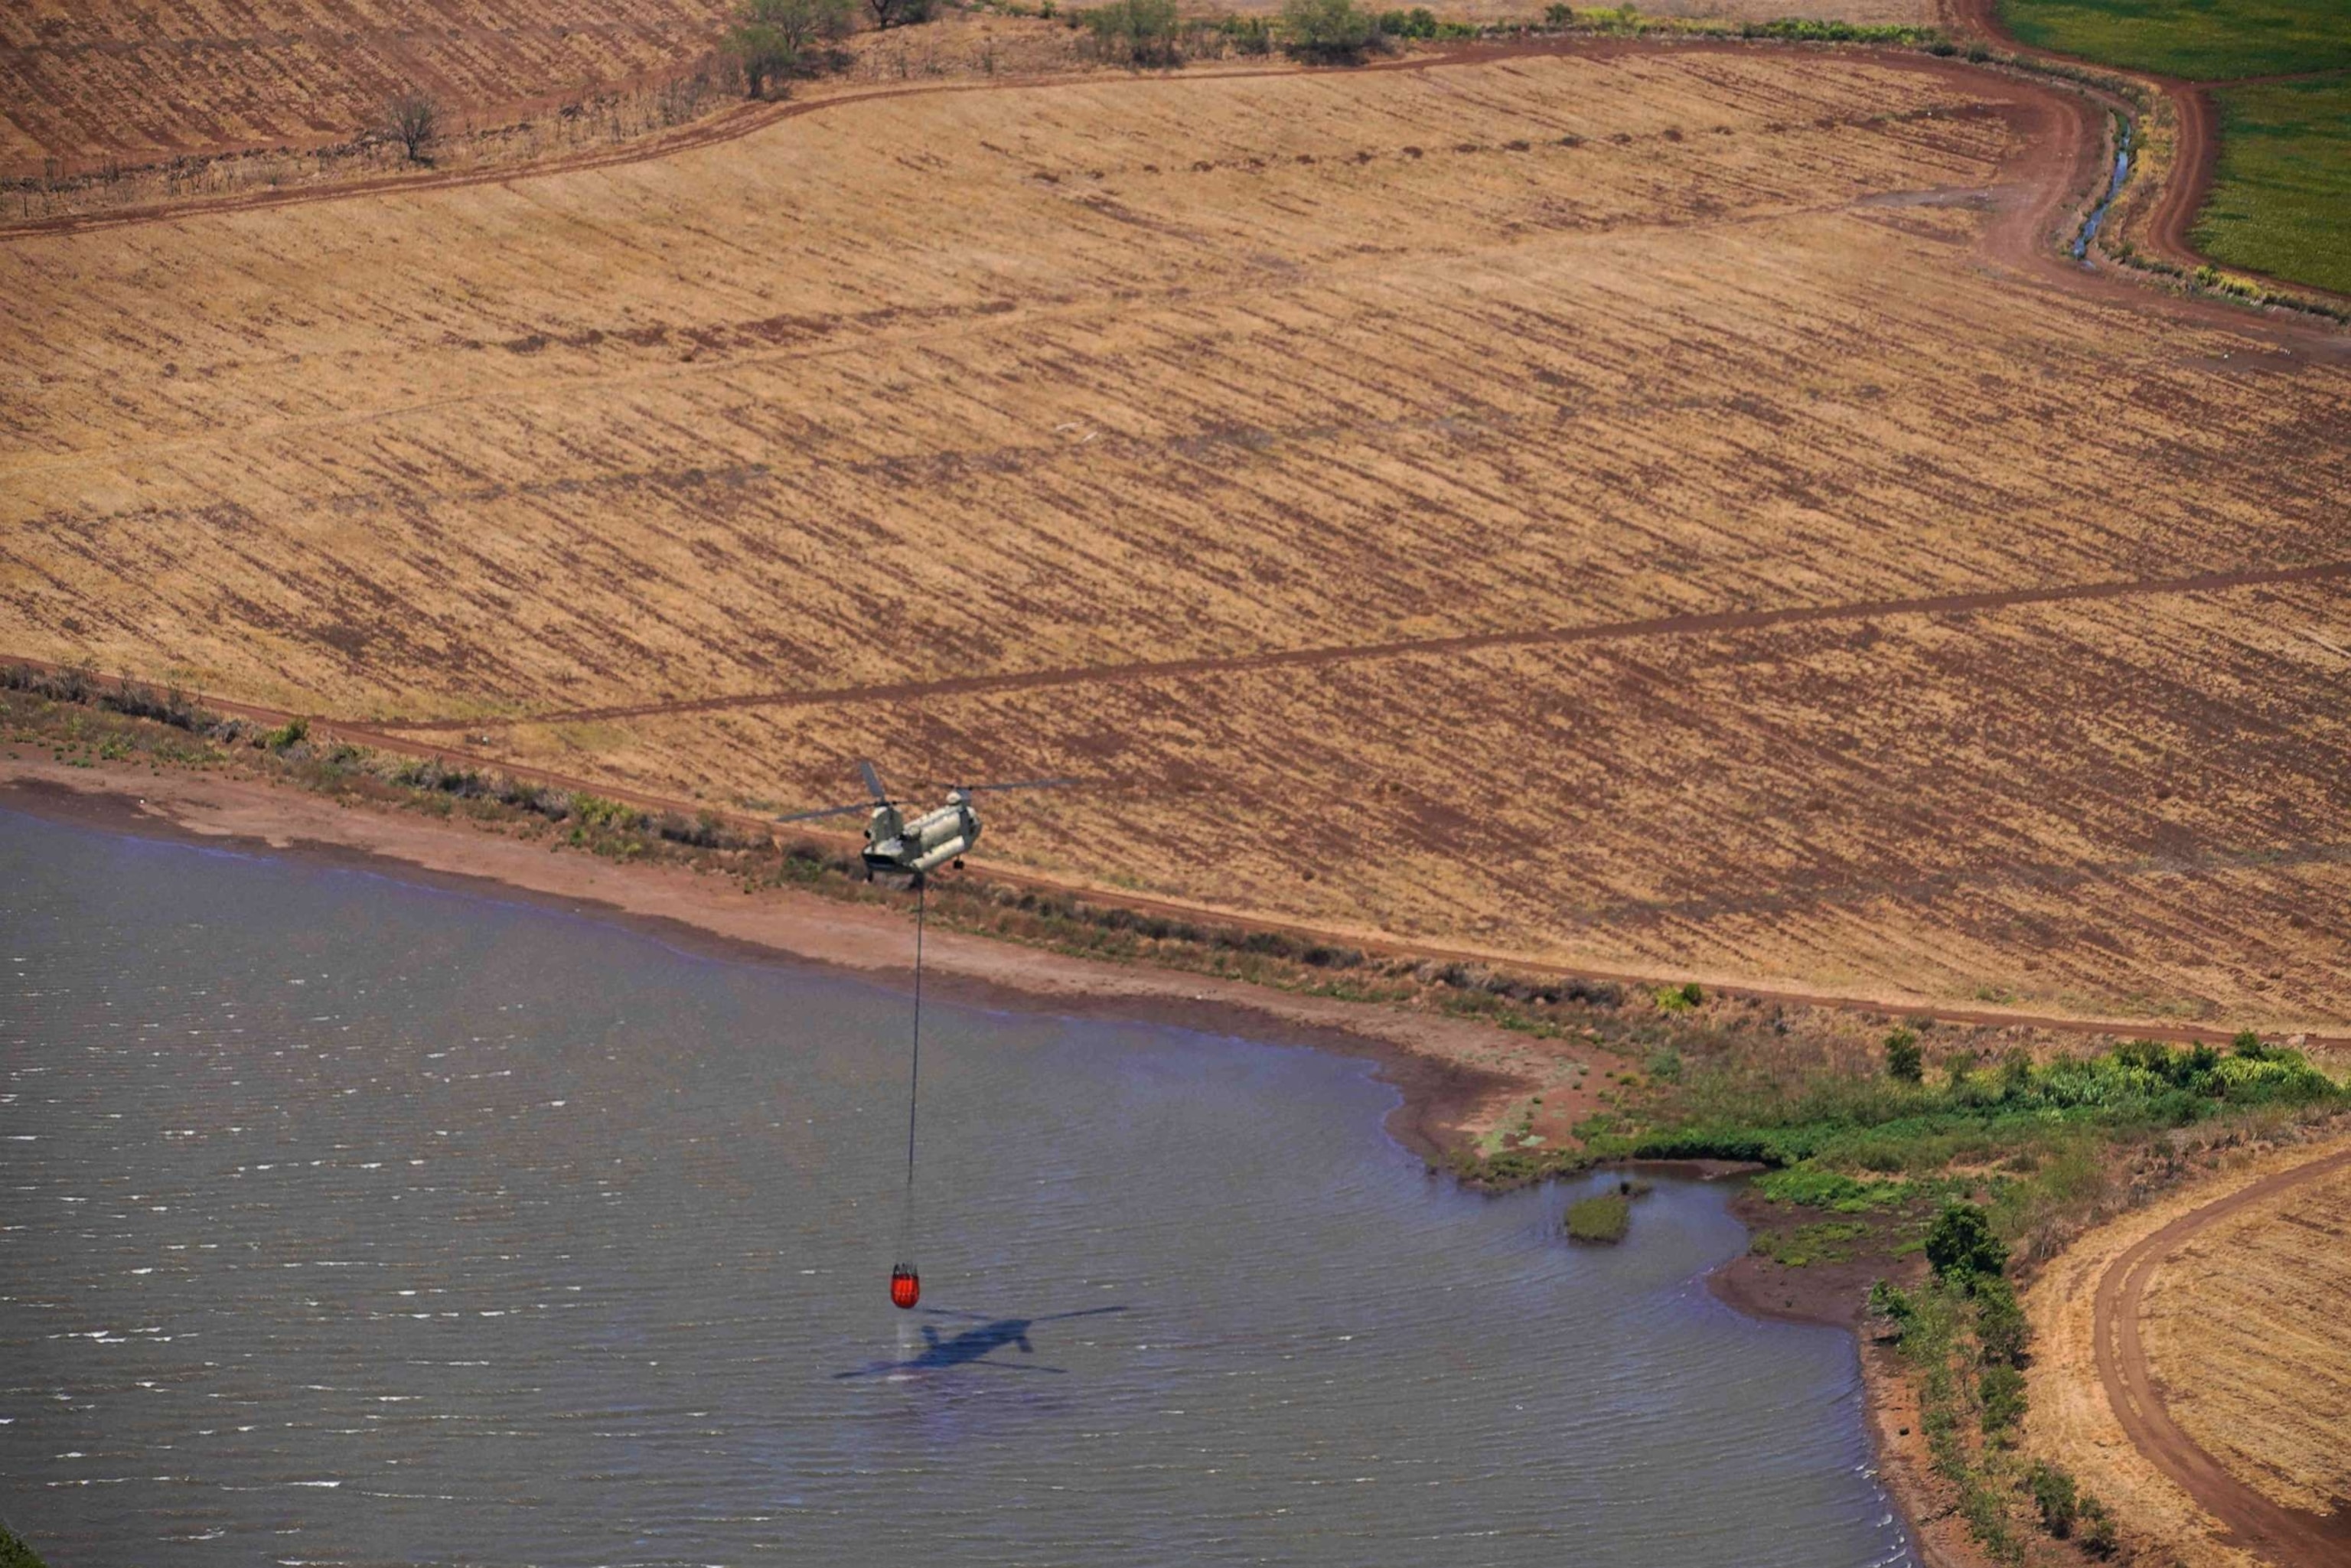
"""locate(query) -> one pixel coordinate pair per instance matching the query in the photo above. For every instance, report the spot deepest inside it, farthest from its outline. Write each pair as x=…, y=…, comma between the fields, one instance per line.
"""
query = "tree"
x=904, y=13
x=1961, y=1247
x=773, y=38
x=1136, y=31
x=414, y=118
x=1328, y=31
x=1904, y=1059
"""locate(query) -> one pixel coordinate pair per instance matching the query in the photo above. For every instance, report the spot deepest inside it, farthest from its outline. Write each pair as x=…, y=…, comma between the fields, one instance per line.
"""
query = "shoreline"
x=1441, y=1095
x=1433, y=1063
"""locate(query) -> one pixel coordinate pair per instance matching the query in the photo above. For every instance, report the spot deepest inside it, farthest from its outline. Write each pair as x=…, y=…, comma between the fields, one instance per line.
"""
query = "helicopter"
x=898, y=847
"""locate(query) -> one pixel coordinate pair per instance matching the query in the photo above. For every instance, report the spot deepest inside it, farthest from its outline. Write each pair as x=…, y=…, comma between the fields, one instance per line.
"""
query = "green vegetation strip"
x=2280, y=200
x=2197, y=40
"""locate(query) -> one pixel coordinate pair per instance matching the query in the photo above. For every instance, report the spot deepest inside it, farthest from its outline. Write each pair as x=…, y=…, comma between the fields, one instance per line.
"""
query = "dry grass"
x=1073, y=378
x=95, y=80
x=2244, y=1329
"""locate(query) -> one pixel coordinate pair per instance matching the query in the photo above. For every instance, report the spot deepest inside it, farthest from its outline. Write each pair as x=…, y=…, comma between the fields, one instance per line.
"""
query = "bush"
x=1960, y=1245
x=1599, y=1218
x=14, y=1553
x=1888, y=1302
x=2054, y=1494
x=1904, y=1059
x=2001, y=1326
x=1136, y=31
x=1328, y=31
x=1605, y=1218
x=286, y=736
x=1248, y=34
x=2001, y=1392
x=2094, y=1531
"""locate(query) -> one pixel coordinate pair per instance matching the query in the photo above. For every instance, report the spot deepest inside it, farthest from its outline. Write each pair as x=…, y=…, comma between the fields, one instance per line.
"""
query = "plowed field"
x=2244, y=1333
x=99, y=80
x=1610, y=508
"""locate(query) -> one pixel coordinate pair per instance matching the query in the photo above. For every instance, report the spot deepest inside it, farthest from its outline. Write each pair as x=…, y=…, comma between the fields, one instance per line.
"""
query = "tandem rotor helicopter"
x=908, y=850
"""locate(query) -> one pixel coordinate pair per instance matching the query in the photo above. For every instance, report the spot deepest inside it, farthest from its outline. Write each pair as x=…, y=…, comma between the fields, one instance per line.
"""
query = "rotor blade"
x=872, y=780
x=1019, y=784
x=827, y=812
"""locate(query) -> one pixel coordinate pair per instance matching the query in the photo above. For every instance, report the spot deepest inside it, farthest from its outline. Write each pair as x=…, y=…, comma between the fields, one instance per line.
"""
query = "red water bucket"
x=905, y=1286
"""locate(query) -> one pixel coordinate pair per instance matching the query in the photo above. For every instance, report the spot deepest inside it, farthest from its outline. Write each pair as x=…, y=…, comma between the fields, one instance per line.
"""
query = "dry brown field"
x=1358, y=478
x=86, y=81
x=2244, y=1333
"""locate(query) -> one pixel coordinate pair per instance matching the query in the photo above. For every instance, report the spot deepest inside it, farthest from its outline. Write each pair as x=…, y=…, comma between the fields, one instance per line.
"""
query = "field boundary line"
x=2284, y=1535
x=1698, y=624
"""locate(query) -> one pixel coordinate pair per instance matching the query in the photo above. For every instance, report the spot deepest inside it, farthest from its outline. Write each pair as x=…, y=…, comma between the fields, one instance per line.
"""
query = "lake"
x=353, y=1221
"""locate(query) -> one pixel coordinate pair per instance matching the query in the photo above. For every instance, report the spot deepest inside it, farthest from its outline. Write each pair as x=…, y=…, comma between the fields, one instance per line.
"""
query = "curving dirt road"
x=2283, y=1535
x=2196, y=157
x=732, y=125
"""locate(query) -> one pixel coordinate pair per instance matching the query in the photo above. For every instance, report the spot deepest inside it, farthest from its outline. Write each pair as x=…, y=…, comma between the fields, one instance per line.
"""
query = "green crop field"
x=2281, y=200
x=2200, y=40
x=2280, y=203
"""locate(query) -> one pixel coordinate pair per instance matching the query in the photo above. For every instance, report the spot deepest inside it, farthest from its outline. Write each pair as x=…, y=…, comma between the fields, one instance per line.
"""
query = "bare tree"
x=414, y=118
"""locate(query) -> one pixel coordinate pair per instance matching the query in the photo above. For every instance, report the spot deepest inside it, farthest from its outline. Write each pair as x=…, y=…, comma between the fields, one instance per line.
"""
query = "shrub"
x=1904, y=1059
x=1328, y=31
x=1248, y=34
x=2095, y=1532
x=2001, y=1393
x=2001, y=1326
x=1888, y=1302
x=1605, y=1218
x=2054, y=1494
x=1961, y=1247
x=290, y=734
x=1136, y=31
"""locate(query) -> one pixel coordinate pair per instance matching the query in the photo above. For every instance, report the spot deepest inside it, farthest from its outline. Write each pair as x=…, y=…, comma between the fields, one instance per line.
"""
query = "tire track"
x=2286, y=1536
x=1688, y=626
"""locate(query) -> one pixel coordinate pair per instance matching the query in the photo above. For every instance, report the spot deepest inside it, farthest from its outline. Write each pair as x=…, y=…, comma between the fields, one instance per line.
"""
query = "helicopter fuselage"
x=894, y=843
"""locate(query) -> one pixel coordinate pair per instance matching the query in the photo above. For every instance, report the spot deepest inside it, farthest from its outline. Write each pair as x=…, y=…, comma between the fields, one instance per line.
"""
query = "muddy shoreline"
x=1438, y=1098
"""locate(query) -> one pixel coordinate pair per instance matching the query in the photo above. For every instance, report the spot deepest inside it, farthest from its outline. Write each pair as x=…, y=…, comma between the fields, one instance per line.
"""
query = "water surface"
x=353, y=1222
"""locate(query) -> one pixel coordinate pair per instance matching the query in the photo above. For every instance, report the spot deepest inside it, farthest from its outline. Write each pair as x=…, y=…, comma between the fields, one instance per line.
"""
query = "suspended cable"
x=905, y=1283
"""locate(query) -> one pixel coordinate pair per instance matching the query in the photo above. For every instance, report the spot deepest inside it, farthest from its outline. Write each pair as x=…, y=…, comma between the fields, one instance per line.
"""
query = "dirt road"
x=2282, y=1535
x=2196, y=157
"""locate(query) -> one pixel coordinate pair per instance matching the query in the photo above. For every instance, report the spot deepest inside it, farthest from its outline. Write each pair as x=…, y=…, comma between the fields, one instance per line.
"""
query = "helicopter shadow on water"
x=976, y=1346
